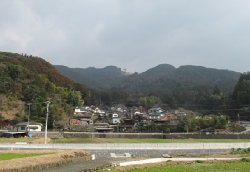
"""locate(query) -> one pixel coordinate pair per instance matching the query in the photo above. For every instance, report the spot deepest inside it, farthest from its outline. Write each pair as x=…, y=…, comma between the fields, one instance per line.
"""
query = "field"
x=4, y=157
x=233, y=166
x=30, y=160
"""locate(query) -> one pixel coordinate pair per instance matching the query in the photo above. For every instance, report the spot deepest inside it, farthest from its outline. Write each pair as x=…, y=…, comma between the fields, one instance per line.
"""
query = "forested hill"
x=40, y=66
x=165, y=78
x=101, y=79
x=31, y=79
x=79, y=77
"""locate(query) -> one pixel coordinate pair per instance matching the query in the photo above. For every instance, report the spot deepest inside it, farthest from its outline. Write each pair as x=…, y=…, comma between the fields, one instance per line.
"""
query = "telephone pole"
x=28, y=129
x=45, y=137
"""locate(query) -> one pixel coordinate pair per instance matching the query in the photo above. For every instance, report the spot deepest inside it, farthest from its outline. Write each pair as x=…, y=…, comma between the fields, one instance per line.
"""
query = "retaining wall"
x=140, y=135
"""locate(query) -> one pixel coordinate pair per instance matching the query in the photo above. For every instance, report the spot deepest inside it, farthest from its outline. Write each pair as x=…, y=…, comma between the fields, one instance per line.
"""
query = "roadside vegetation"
x=240, y=151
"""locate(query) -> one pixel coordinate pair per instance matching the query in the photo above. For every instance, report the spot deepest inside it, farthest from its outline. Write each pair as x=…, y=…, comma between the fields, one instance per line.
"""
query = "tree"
x=217, y=90
x=188, y=123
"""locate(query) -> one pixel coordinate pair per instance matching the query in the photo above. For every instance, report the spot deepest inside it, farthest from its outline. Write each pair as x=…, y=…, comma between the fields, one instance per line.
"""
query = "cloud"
x=131, y=34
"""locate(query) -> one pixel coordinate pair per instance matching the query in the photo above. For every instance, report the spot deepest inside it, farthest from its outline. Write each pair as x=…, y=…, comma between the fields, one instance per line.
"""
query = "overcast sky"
x=131, y=34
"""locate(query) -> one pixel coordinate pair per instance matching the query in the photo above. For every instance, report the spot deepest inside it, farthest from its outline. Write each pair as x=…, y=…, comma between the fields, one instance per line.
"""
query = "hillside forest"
x=29, y=79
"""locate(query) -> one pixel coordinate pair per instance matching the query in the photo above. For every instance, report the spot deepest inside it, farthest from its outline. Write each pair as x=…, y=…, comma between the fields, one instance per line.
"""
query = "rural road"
x=93, y=164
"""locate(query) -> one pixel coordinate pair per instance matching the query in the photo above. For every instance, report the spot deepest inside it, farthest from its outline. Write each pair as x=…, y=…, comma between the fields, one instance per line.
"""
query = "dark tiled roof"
x=26, y=123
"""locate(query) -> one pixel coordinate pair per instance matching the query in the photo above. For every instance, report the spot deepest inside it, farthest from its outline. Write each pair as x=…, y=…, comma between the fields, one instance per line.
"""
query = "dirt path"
x=86, y=166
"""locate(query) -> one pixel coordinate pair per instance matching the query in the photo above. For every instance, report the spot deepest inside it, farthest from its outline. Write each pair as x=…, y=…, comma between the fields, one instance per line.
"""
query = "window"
x=22, y=128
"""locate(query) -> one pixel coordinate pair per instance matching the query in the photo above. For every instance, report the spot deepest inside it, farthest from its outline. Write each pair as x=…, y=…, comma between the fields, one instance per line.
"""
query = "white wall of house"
x=115, y=120
x=23, y=128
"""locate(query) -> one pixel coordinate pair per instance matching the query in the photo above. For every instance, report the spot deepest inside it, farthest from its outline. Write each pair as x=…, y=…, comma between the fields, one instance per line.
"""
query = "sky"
x=131, y=34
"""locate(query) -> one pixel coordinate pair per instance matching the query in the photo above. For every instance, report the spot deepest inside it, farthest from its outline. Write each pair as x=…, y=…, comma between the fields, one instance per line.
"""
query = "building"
x=155, y=110
x=24, y=126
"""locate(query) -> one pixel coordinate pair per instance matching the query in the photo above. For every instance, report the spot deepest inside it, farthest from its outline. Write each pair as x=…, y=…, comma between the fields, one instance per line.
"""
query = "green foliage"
x=245, y=160
x=191, y=123
x=240, y=151
x=103, y=98
x=32, y=79
x=237, y=128
x=4, y=157
x=100, y=79
x=149, y=101
x=240, y=99
x=199, y=161
x=167, y=79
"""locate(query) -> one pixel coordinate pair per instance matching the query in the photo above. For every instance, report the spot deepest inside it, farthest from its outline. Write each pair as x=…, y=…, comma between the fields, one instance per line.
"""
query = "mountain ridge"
x=161, y=78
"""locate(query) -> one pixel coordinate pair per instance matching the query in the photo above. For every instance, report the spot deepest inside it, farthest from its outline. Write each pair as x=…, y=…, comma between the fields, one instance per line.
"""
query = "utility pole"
x=28, y=129
x=45, y=137
x=239, y=124
x=92, y=125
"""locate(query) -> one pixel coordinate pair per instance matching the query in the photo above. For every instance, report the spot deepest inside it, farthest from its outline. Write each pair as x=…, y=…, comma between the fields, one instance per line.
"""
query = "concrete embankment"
x=136, y=146
x=138, y=150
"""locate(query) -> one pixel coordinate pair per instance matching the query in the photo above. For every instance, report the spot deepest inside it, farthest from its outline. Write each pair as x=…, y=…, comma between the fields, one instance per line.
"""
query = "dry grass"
x=160, y=164
x=24, y=139
x=41, y=140
x=13, y=107
x=53, y=159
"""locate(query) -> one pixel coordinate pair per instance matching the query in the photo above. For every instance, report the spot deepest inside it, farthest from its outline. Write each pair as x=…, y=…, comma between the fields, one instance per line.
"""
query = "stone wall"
x=140, y=135
x=113, y=135
x=206, y=136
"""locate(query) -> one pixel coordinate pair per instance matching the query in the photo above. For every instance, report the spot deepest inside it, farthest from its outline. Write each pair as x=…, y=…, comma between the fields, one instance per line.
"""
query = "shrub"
x=245, y=159
x=240, y=151
x=199, y=161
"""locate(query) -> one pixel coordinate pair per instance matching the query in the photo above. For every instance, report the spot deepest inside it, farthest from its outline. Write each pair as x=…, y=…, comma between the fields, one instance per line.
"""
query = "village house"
x=169, y=119
x=115, y=119
x=81, y=111
x=25, y=126
x=142, y=110
x=74, y=121
x=80, y=119
x=155, y=110
x=127, y=125
x=155, y=116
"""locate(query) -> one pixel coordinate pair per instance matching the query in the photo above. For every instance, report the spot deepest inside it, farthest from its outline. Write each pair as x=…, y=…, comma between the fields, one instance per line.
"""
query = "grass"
x=191, y=167
x=4, y=157
x=14, y=140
